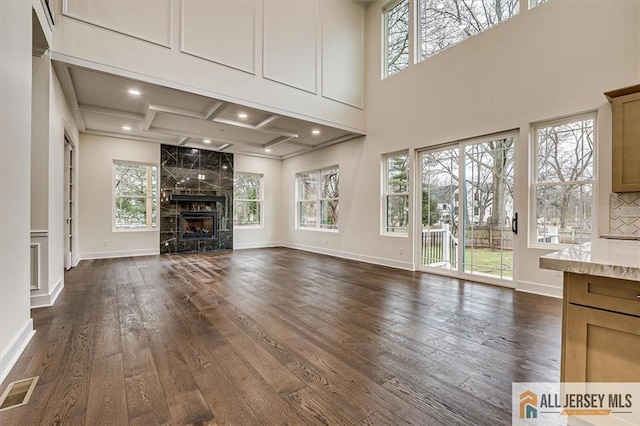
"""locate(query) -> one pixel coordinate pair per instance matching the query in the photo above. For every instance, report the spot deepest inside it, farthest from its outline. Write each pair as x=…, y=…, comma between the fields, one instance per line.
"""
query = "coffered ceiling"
x=111, y=105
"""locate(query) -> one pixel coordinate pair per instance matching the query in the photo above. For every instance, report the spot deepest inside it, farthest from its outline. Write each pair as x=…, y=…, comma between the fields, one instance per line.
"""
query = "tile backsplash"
x=624, y=213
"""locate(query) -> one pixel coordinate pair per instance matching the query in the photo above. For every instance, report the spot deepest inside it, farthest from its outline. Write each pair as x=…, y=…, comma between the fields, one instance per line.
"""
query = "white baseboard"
x=257, y=245
x=122, y=253
x=541, y=289
x=45, y=300
x=408, y=266
x=9, y=357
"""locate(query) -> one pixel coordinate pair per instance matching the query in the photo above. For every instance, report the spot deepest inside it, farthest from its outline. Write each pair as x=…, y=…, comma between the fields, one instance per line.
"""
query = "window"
x=135, y=196
x=396, y=31
x=534, y=3
x=247, y=199
x=318, y=199
x=563, y=182
x=396, y=193
x=443, y=23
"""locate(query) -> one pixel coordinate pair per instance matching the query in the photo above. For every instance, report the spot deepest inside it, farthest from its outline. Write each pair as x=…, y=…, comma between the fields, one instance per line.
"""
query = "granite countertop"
x=603, y=257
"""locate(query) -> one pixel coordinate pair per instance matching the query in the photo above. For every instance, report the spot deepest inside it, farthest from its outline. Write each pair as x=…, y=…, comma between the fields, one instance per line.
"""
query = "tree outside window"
x=247, y=199
x=318, y=199
x=564, y=180
x=396, y=27
x=396, y=193
x=135, y=196
x=443, y=23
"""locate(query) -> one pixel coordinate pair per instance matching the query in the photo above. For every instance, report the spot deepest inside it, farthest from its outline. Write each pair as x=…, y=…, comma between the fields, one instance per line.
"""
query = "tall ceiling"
x=111, y=105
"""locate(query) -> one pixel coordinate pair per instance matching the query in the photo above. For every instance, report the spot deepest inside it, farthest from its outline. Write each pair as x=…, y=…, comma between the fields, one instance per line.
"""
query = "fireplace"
x=197, y=225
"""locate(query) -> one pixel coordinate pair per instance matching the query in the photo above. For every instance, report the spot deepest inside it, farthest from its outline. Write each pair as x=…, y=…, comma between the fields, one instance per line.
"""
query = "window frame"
x=259, y=200
x=318, y=199
x=385, y=36
x=385, y=194
x=152, y=197
x=534, y=184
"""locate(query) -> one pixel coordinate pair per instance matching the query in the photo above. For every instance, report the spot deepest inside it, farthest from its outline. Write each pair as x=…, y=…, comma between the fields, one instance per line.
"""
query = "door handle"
x=514, y=223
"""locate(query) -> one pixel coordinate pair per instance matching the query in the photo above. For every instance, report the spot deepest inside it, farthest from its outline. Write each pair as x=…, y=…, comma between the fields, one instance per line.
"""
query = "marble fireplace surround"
x=196, y=183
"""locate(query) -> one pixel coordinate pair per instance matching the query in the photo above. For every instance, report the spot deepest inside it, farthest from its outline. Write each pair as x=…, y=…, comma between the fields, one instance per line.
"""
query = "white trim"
x=45, y=300
x=121, y=253
x=39, y=233
x=73, y=61
x=407, y=266
x=265, y=244
x=34, y=266
x=168, y=43
x=540, y=289
x=15, y=349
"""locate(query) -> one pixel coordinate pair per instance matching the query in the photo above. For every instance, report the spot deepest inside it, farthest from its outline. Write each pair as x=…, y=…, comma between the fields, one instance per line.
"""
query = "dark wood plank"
x=107, y=399
x=279, y=336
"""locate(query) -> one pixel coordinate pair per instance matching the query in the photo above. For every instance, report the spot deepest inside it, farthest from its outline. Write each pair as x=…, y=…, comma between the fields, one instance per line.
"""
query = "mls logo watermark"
x=553, y=403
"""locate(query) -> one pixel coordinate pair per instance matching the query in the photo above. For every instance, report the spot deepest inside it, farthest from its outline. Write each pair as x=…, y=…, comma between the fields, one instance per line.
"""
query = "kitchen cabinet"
x=625, y=105
x=601, y=329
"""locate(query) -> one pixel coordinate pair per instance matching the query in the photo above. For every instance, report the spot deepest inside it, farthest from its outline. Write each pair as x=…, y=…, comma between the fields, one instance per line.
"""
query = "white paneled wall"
x=223, y=32
x=302, y=58
x=148, y=20
x=290, y=43
x=342, y=52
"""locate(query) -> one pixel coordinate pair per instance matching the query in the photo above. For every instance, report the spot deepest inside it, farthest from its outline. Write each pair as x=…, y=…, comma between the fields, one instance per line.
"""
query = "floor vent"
x=18, y=393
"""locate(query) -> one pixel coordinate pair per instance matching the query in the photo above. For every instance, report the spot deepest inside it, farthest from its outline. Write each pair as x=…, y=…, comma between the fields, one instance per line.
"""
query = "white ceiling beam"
x=255, y=127
x=268, y=121
x=146, y=123
x=111, y=112
x=170, y=132
x=214, y=110
x=276, y=142
x=178, y=111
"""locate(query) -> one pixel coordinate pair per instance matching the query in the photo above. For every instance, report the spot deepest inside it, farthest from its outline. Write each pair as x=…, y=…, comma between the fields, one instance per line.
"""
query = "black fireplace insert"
x=198, y=225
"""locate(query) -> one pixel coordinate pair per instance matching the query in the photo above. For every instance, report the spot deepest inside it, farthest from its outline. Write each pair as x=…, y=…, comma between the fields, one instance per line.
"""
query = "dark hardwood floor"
x=278, y=336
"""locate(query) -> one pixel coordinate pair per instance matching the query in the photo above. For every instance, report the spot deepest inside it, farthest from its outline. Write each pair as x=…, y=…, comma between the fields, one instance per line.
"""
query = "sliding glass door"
x=467, y=208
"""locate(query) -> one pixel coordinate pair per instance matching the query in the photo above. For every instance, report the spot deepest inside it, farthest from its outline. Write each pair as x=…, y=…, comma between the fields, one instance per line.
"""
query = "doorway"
x=68, y=203
x=467, y=209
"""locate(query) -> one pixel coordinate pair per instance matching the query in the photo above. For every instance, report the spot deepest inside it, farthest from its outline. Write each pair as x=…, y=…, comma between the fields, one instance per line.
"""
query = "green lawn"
x=488, y=261
x=483, y=260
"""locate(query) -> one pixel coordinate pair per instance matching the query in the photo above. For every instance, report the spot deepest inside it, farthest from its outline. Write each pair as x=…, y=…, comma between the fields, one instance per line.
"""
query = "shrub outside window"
x=563, y=184
x=247, y=199
x=135, y=196
x=318, y=198
x=396, y=193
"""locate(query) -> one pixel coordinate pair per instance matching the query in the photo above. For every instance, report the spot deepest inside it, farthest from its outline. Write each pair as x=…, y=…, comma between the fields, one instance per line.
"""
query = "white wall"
x=51, y=118
x=298, y=58
x=16, y=328
x=97, y=237
x=359, y=236
x=554, y=60
x=270, y=234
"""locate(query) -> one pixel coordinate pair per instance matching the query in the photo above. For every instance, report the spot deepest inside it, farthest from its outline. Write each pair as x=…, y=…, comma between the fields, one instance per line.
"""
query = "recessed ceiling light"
x=134, y=92
x=206, y=140
x=315, y=131
x=242, y=115
x=267, y=150
x=126, y=128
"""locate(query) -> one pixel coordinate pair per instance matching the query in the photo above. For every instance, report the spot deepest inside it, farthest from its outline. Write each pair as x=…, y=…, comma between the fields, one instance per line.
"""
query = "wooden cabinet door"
x=626, y=143
x=600, y=346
